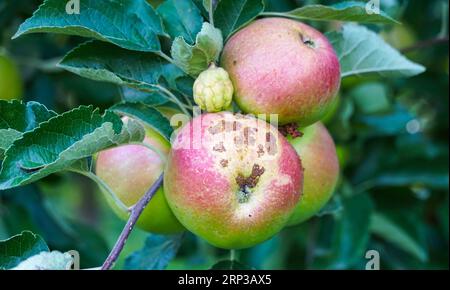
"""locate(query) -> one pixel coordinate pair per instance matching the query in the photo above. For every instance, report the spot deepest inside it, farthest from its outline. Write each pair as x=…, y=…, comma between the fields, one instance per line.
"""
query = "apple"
x=321, y=170
x=10, y=81
x=281, y=66
x=232, y=179
x=130, y=170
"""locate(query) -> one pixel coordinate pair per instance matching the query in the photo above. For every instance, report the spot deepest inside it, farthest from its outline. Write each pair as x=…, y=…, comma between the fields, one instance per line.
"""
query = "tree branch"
x=426, y=43
x=135, y=213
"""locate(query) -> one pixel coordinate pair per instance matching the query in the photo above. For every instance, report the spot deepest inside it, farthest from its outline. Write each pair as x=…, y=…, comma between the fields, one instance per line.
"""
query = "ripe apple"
x=281, y=66
x=10, y=80
x=129, y=171
x=233, y=180
x=321, y=170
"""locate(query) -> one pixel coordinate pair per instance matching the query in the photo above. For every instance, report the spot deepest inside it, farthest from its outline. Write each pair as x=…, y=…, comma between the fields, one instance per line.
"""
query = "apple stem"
x=136, y=211
x=166, y=57
x=173, y=98
x=211, y=12
x=232, y=255
x=425, y=43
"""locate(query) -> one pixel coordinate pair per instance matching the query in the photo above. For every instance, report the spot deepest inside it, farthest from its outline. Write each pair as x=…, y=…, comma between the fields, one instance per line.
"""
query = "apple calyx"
x=307, y=41
x=247, y=183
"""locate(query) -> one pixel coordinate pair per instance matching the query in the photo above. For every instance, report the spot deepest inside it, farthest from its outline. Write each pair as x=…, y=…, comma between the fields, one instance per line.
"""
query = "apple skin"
x=129, y=171
x=281, y=66
x=203, y=172
x=11, y=85
x=321, y=170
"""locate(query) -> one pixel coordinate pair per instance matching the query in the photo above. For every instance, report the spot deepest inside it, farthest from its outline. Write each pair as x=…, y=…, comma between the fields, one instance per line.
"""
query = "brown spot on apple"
x=219, y=147
x=251, y=180
x=224, y=162
x=219, y=127
x=290, y=129
x=260, y=151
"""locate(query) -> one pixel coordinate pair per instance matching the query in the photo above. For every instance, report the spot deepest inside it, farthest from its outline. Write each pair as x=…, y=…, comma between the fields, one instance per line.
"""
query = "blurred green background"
x=391, y=137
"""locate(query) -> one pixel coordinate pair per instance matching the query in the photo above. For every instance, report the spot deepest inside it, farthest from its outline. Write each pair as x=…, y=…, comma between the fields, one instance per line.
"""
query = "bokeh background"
x=391, y=137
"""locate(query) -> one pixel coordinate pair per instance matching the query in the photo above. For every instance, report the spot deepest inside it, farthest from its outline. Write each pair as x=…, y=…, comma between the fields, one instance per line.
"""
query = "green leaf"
x=332, y=207
x=267, y=255
x=207, y=4
x=195, y=59
x=390, y=123
x=46, y=209
x=429, y=175
x=200, y=6
x=347, y=236
x=23, y=116
x=386, y=229
x=129, y=24
x=342, y=124
x=47, y=261
x=442, y=214
x=156, y=254
x=230, y=265
x=231, y=15
x=181, y=19
x=62, y=141
x=148, y=98
x=7, y=137
x=17, y=117
x=371, y=97
x=101, y=61
x=20, y=247
x=150, y=116
x=362, y=51
x=345, y=11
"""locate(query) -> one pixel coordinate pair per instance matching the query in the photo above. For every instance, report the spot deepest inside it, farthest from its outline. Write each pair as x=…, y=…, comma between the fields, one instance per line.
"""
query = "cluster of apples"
x=232, y=178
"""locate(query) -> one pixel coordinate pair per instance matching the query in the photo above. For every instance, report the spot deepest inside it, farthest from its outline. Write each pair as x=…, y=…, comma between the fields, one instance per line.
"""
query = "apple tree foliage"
x=150, y=56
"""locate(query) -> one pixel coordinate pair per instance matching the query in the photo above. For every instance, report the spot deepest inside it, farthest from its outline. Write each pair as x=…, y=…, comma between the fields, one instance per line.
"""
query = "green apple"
x=321, y=170
x=129, y=171
x=232, y=179
x=11, y=86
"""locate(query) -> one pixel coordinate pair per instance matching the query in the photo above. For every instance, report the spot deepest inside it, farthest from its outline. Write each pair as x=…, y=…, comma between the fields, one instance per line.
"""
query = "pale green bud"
x=213, y=90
